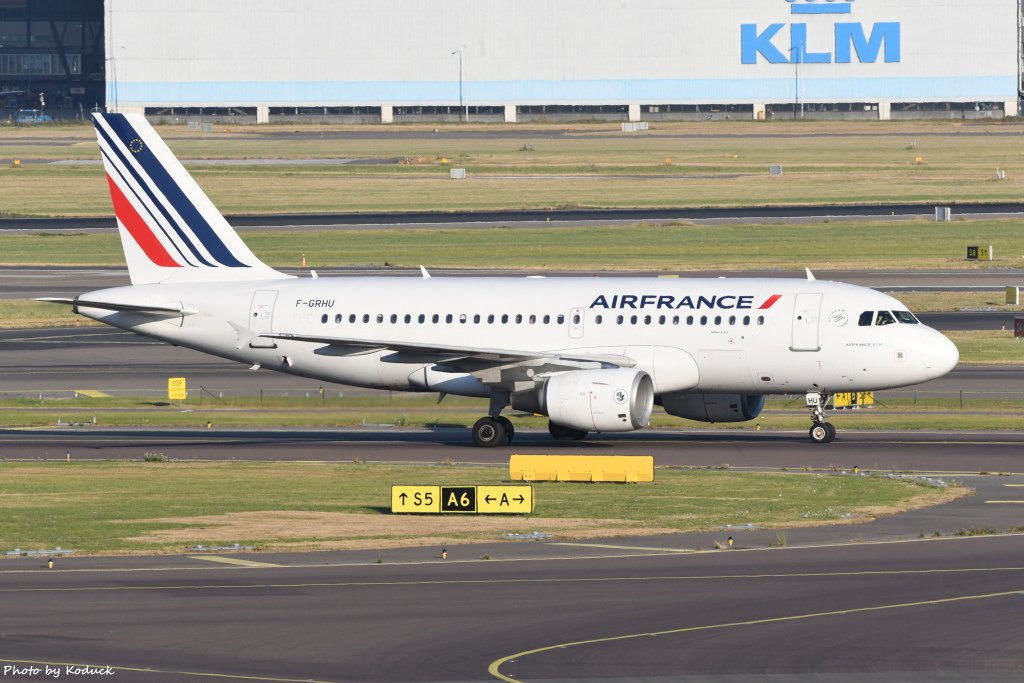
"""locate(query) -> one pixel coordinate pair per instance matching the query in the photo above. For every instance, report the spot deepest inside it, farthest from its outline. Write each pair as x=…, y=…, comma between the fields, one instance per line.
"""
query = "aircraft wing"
x=170, y=309
x=478, y=361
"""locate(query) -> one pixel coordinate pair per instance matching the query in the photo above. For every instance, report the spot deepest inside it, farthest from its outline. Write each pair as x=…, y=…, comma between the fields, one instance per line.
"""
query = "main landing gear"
x=495, y=429
x=491, y=432
x=821, y=431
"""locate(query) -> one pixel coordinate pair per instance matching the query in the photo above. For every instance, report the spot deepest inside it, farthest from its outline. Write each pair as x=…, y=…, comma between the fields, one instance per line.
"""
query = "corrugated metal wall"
x=529, y=52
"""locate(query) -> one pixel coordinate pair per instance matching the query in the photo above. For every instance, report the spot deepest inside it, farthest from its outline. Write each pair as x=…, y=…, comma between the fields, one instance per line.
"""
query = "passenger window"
x=661, y=320
x=576, y=319
x=380, y=318
x=490, y=319
x=394, y=318
x=647, y=320
x=732, y=320
x=760, y=320
x=533, y=320
x=448, y=318
x=366, y=317
x=476, y=319
x=352, y=318
x=462, y=318
x=703, y=320
x=689, y=320
x=338, y=318
x=421, y=319
x=632, y=320
x=408, y=318
x=519, y=318
x=504, y=318
x=884, y=318
x=561, y=319
x=435, y=318
x=675, y=320
x=598, y=319
x=547, y=319
x=323, y=318
x=866, y=318
x=746, y=320
x=905, y=317
x=718, y=320
x=618, y=320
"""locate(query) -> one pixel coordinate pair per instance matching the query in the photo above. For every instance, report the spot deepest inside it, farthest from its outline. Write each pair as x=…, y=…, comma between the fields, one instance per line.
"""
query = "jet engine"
x=713, y=407
x=609, y=400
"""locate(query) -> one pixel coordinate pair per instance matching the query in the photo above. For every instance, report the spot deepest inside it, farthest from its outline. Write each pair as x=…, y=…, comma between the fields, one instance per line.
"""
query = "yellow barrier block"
x=606, y=468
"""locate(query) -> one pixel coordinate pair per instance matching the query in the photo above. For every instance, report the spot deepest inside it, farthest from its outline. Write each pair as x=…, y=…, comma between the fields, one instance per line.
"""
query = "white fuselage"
x=811, y=338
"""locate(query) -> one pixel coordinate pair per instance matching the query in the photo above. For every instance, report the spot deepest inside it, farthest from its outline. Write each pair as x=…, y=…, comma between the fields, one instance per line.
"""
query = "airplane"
x=593, y=354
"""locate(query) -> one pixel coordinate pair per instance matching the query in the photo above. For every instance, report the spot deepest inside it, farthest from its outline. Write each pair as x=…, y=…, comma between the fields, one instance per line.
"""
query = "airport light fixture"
x=463, y=103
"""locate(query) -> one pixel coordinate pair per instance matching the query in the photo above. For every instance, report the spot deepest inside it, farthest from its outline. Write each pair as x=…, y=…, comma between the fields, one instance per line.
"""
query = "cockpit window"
x=866, y=318
x=884, y=318
x=905, y=317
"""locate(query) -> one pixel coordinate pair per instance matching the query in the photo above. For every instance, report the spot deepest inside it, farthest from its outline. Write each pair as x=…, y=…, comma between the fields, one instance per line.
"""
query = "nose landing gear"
x=821, y=431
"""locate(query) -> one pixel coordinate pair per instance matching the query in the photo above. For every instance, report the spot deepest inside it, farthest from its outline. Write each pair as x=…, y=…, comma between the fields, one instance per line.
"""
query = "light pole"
x=796, y=54
x=463, y=102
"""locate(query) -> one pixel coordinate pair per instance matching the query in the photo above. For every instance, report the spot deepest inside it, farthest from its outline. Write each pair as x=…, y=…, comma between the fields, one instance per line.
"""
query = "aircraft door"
x=261, y=313
x=806, y=314
x=576, y=319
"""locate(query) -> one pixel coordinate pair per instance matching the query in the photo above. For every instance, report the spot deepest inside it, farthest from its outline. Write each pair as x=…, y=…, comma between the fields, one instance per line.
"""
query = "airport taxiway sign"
x=176, y=389
x=488, y=500
x=507, y=499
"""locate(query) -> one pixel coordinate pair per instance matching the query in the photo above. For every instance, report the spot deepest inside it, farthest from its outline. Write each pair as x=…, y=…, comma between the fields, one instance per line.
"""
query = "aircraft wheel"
x=822, y=432
x=489, y=432
x=563, y=433
x=510, y=429
x=831, y=432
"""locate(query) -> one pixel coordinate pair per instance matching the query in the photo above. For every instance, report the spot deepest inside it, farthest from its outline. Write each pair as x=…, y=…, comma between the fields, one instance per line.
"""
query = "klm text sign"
x=821, y=41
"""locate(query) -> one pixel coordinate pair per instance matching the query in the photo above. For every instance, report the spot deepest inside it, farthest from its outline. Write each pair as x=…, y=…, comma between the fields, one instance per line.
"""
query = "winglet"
x=810, y=275
x=424, y=272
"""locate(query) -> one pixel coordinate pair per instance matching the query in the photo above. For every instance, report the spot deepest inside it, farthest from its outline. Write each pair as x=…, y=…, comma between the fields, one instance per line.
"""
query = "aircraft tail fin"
x=170, y=230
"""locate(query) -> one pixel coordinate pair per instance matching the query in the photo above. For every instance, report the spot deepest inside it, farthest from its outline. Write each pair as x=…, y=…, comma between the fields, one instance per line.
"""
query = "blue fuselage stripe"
x=149, y=193
x=170, y=189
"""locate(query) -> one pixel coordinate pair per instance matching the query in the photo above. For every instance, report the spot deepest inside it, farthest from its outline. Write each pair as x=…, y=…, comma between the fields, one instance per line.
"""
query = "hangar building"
x=517, y=60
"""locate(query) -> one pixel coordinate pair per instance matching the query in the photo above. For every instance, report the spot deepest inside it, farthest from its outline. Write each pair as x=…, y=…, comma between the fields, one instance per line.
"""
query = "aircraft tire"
x=822, y=432
x=510, y=429
x=490, y=433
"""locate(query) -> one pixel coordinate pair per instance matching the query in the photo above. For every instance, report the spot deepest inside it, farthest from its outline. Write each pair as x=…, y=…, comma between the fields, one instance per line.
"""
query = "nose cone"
x=940, y=357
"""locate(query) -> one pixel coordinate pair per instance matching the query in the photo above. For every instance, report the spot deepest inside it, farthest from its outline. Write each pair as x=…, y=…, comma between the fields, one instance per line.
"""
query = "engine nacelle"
x=714, y=407
x=611, y=400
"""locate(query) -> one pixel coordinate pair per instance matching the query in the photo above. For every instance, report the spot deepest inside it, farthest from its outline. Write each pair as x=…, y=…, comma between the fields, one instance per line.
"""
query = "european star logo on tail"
x=170, y=230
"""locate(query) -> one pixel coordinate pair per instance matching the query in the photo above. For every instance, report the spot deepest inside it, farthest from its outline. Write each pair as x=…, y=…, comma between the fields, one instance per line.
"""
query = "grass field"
x=677, y=247
x=158, y=507
x=712, y=164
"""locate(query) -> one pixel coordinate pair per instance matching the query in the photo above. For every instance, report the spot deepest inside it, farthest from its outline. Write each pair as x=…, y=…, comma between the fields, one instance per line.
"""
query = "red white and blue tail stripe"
x=170, y=230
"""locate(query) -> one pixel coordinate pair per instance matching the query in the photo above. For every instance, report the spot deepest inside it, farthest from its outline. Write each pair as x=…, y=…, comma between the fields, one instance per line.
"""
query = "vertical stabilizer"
x=170, y=230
